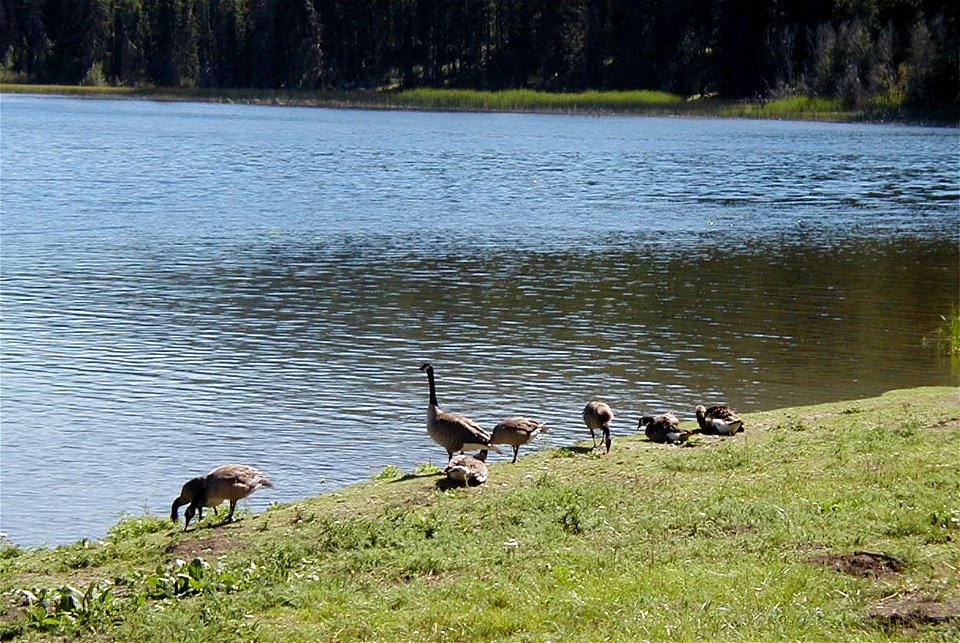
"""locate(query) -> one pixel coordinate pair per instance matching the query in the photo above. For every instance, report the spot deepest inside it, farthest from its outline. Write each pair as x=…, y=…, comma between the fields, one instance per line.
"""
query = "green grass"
x=725, y=541
x=640, y=102
x=523, y=100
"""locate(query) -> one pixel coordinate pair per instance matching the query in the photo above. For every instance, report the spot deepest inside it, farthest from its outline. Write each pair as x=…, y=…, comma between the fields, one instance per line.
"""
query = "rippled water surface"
x=185, y=285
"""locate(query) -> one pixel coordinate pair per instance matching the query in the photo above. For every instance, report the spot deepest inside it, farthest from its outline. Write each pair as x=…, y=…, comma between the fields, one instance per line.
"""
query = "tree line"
x=903, y=51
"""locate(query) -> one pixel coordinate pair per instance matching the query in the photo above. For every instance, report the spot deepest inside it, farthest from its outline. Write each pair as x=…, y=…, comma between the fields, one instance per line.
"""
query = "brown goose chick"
x=718, y=420
x=598, y=415
x=467, y=469
x=663, y=428
x=229, y=482
x=451, y=431
x=516, y=431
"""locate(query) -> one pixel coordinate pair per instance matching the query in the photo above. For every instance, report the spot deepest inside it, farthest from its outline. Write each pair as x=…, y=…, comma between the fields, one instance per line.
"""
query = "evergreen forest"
x=900, y=52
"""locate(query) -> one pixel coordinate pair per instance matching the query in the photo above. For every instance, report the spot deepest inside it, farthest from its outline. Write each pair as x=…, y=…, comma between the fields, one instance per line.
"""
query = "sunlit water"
x=186, y=285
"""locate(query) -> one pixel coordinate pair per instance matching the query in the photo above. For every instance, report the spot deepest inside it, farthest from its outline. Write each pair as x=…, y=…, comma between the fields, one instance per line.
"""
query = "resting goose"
x=467, y=469
x=451, y=431
x=718, y=420
x=663, y=428
x=598, y=415
x=231, y=482
x=516, y=431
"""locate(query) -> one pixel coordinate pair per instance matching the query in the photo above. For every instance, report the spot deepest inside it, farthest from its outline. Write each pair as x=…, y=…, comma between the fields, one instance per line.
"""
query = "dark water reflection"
x=173, y=299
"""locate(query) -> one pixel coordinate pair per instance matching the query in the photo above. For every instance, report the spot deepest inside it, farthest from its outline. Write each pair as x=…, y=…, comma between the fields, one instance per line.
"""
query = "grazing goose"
x=467, y=469
x=663, y=428
x=451, y=431
x=718, y=420
x=516, y=431
x=598, y=415
x=230, y=482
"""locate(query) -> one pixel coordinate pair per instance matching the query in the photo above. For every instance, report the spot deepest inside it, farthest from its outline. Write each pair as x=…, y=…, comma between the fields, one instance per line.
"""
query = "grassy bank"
x=834, y=522
x=648, y=103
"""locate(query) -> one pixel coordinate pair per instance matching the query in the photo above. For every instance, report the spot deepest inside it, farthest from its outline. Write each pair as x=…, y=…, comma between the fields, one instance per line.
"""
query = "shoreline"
x=638, y=103
x=801, y=527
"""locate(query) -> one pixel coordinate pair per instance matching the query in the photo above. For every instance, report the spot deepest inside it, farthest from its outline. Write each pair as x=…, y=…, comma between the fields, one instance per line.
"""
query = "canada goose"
x=598, y=415
x=451, y=431
x=467, y=469
x=718, y=420
x=663, y=428
x=230, y=482
x=516, y=431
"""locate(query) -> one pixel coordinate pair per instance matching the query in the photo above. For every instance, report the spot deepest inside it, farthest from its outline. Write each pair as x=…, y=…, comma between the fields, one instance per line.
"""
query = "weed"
x=389, y=472
x=131, y=527
x=69, y=607
x=946, y=338
x=186, y=579
x=426, y=469
x=8, y=549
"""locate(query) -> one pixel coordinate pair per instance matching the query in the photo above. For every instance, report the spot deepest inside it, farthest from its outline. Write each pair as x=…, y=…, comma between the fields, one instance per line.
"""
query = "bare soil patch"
x=862, y=563
x=908, y=613
x=212, y=546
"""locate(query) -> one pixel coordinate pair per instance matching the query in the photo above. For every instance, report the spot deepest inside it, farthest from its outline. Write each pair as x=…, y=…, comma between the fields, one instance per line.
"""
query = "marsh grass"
x=945, y=338
x=651, y=542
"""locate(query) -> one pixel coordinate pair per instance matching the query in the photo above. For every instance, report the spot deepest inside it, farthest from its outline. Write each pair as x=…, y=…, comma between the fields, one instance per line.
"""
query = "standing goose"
x=598, y=415
x=516, y=431
x=451, y=431
x=663, y=428
x=230, y=482
x=718, y=420
x=467, y=469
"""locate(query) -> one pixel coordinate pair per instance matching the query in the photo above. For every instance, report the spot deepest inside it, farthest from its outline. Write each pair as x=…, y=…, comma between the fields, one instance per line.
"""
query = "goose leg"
x=233, y=505
x=606, y=438
x=516, y=450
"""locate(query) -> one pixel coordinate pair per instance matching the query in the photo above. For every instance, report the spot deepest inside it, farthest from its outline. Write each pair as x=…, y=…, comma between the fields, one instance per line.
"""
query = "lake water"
x=185, y=285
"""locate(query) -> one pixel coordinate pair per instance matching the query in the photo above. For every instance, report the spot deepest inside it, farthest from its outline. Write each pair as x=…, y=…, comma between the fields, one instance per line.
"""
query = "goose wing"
x=722, y=412
x=727, y=415
x=460, y=433
x=238, y=476
x=516, y=429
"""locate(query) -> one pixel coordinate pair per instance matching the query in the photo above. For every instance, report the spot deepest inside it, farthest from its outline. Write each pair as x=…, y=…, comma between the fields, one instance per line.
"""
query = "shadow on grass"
x=569, y=452
x=446, y=484
x=416, y=476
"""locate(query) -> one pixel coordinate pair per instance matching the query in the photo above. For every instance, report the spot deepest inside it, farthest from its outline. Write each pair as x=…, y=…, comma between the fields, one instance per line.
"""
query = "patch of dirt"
x=906, y=613
x=211, y=546
x=861, y=563
x=414, y=500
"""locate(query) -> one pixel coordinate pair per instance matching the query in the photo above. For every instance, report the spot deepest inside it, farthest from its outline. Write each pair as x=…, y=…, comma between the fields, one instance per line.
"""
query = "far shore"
x=624, y=103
